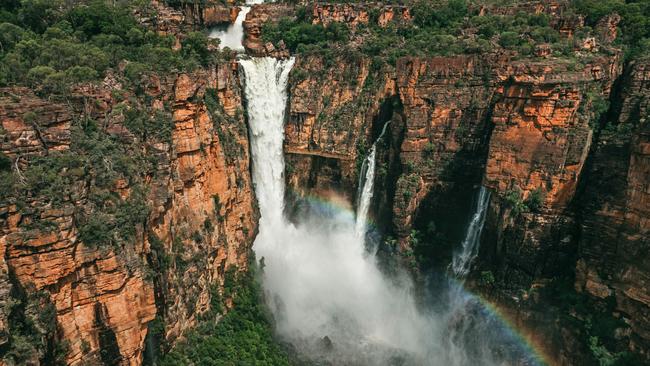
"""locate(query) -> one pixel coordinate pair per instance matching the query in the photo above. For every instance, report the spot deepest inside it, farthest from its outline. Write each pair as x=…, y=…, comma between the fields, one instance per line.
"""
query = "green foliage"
x=207, y=225
x=226, y=126
x=115, y=222
x=409, y=185
x=300, y=34
x=535, y=200
x=439, y=14
x=5, y=163
x=440, y=27
x=514, y=200
x=95, y=161
x=48, y=44
x=487, y=279
x=32, y=328
x=634, y=25
x=147, y=123
x=244, y=336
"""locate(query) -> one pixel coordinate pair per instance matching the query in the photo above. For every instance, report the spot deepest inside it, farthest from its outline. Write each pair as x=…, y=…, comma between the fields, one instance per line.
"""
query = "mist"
x=330, y=301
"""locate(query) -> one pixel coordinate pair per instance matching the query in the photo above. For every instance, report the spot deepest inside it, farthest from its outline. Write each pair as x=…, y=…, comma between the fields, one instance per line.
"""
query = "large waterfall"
x=329, y=298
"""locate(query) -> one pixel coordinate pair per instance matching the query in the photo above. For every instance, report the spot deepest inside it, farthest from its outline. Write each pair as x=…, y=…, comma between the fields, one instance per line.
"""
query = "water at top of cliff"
x=329, y=298
x=233, y=35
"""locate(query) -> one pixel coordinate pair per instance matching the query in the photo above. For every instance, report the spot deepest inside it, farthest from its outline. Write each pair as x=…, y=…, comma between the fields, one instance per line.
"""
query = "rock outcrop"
x=258, y=15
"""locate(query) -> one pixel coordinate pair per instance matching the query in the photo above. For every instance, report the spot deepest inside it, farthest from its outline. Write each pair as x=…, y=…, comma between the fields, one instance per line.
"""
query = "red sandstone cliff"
x=104, y=298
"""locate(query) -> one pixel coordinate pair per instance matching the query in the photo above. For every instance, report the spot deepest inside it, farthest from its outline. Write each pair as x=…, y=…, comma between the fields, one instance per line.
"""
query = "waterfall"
x=366, y=186
x=318, y=278
x=462, y=259
x=364, y=195
x=266, y=81
x=233, y=35
x=328, y=297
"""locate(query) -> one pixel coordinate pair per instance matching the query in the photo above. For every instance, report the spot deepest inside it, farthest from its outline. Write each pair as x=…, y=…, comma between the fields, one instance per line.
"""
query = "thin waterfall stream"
x=366, y=186
x=463, y=258
x=329, y=298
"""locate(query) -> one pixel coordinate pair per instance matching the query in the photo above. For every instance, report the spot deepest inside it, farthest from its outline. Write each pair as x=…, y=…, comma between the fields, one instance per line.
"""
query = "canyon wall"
x=99, y=301
x=615, y=210
x=566, y=232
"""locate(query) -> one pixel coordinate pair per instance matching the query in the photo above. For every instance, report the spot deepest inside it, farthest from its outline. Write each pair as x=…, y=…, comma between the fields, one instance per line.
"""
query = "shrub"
x=5, y=163
x=535, y=200
x=516, y=203
x=297, y=34
x=487, y=279
x=244, y=336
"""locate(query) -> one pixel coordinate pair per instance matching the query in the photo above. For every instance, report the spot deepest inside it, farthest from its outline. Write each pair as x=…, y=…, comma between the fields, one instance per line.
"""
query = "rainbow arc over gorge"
x=527, y=342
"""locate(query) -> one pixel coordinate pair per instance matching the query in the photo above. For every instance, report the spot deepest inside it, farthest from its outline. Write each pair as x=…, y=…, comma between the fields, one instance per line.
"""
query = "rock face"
x=445, y=103
x=355, y=14
x=32, y=126
x=202, y=223
x=205, y=205
x=570, y=197
x=613, y=255
x=333, y=118
x=92, y=290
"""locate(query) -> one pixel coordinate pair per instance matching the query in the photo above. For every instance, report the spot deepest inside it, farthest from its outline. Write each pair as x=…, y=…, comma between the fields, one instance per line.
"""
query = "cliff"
x=199, y=223
x=613, y=261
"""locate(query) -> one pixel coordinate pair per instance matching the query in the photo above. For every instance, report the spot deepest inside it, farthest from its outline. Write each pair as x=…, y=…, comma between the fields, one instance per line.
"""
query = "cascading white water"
x=233, y=35
x=266, y=80
x=463, y=258
x=328, y=296
x=366, y=187
x=366, y=184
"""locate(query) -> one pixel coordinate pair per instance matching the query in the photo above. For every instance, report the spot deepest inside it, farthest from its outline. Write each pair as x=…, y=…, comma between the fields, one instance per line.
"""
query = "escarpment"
x=194, y=209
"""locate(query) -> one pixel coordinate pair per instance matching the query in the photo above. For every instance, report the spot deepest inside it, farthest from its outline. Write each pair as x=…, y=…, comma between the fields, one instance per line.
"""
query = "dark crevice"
x=109, y=351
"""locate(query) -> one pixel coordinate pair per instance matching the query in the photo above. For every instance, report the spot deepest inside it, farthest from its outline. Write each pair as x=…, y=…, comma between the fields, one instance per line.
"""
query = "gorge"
x=328, y=296
x=423, y=183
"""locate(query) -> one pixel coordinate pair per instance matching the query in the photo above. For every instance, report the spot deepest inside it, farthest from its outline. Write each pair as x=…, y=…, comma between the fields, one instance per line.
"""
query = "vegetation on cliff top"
x=452, y=27
x=50, y=45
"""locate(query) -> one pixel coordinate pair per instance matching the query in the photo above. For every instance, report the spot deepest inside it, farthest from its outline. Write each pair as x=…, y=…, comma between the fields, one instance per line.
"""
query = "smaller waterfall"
x=232, y=36
x=366, y=186
x=462, y=260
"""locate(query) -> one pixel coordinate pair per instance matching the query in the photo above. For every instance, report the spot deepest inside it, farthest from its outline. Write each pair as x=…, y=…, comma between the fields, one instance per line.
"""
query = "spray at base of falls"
x=328, y=296
x=318, y=278
x=366, y=186
x=462, y=260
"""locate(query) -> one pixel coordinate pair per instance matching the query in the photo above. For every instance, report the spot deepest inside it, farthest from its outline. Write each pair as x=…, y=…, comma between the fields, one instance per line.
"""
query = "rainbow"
x=525, y=340
x=335, y=205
